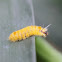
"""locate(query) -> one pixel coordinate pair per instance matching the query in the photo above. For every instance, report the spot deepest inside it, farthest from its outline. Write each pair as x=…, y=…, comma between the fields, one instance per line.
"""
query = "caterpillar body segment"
x=27, y=32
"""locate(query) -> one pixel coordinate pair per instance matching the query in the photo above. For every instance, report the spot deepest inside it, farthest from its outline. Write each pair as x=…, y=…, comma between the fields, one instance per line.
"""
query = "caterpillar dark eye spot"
x=45, y=33
x=27, y=32
x=18, y=40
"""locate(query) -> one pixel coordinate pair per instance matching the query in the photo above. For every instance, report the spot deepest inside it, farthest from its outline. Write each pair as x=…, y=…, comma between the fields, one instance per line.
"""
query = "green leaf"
x=46, y=51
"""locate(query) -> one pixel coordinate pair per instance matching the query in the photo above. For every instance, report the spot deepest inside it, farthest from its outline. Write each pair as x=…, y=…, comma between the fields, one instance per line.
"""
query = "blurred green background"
x=50, y=12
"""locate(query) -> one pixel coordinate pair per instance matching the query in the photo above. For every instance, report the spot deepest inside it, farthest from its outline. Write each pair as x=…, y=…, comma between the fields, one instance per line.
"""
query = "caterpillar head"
x=44, y=31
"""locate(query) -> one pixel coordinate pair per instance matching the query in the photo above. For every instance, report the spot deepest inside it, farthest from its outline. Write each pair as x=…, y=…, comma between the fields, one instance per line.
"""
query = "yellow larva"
x=27, y=32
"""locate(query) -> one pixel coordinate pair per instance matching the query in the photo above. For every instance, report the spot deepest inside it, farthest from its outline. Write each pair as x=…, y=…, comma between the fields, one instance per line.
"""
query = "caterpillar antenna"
x=48, y=26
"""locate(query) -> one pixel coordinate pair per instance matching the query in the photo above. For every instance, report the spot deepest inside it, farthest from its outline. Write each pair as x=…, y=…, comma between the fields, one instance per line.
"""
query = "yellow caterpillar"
x=27, y=32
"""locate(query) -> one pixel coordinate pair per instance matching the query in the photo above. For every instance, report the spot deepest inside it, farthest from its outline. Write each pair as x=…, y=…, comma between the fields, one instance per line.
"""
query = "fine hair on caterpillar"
x=27, y=32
